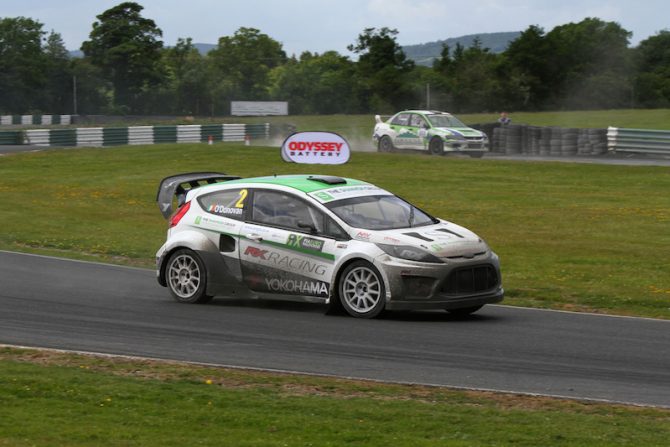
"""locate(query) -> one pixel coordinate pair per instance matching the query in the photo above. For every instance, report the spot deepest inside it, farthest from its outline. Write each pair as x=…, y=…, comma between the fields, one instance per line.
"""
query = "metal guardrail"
x=643, y=141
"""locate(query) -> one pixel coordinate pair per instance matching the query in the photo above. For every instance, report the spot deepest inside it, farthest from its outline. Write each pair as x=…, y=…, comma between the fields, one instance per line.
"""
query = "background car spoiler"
x=178, y=185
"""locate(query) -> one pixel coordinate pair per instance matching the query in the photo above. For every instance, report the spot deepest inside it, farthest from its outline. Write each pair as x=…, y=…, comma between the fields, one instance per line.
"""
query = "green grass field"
x=51, y=399
x=570, y=236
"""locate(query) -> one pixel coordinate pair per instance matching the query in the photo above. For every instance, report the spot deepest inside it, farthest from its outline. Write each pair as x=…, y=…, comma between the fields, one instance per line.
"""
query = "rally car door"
x=402, y=134
x=283, y=248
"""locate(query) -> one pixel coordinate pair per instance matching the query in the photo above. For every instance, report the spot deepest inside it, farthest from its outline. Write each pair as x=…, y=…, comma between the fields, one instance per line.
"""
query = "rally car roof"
x=181, y=184
x=426, y=112
x=305, y=183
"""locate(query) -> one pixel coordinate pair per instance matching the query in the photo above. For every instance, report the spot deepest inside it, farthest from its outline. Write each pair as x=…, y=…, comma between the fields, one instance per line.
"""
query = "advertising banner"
x=324, y=148
x=258, y=108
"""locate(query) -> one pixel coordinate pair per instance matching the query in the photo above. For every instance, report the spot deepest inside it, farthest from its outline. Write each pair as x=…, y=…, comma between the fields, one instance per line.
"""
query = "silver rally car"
x=429, y=130
x=321, y=239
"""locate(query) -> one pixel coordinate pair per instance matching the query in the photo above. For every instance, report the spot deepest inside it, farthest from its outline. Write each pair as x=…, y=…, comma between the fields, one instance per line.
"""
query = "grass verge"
x=358, y=128
x=570, y=236
x=78, y=400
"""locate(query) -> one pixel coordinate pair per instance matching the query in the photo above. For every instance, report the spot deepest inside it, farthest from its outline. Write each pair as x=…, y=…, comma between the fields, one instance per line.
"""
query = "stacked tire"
x=556, y=141
x=545, y=141
x=569, y=142
x=499, y=139
x=598, y=141
x=513, y=139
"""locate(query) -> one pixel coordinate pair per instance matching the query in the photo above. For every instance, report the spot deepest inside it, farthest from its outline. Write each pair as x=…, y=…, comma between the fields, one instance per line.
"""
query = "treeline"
x=126, y=69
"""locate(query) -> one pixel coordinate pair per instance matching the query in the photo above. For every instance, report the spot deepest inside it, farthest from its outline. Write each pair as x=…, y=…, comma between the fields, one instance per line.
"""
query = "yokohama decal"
x=296, y=286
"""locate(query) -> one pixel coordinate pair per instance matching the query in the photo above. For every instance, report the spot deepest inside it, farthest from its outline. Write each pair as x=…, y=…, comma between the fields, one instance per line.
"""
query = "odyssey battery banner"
x=325, y=148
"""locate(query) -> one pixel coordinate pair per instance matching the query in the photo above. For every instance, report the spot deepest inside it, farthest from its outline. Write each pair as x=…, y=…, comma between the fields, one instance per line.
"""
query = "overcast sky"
x=318, y=26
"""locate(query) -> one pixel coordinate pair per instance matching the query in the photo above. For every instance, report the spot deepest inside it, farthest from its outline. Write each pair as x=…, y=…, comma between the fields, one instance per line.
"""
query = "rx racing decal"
x=285, y=262
x=304, y=242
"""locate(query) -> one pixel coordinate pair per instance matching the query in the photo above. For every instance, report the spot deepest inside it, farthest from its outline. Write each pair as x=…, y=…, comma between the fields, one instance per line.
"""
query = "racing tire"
x=476, y=154
x=464, y=311
x=361, y=290
x=187, y=277
x=436, y=146
x=385, y=144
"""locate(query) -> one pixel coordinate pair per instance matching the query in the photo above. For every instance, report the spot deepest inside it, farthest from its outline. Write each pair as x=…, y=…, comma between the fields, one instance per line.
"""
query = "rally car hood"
x=444, y=240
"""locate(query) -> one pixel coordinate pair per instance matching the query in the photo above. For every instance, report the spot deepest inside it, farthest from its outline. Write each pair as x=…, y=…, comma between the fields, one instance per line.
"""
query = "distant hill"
x=421, y=54
x=204, y=48
x=426, y=53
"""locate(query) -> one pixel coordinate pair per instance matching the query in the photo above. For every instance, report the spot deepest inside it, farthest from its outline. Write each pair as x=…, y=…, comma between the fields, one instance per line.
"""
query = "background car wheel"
x=436, y=146
x=385, y=144
x=476, y=154
x=361, y=290
x=464, y=311
x=187, y=277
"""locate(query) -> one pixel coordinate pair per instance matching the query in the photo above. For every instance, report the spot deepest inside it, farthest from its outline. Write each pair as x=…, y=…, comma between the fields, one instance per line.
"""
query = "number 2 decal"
x=240, y=202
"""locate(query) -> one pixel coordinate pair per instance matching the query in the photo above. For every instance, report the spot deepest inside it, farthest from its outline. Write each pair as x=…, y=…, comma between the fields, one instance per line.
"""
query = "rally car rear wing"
x=178, y=185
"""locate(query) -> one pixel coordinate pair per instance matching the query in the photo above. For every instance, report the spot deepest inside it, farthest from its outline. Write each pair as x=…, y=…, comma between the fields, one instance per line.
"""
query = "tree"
x=94, y=92
x=316, y=84
x=188, y=80
x=652, y=61
x=381, y=71
x=470, y=78
x=22, y=64
x=58, y=91
x=241, y=63
x=126, y=47
x=526, y=69
x=591, y=64
x=576, y=65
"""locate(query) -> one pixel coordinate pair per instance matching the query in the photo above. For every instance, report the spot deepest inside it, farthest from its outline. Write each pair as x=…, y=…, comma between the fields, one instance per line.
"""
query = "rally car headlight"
x=410, y=253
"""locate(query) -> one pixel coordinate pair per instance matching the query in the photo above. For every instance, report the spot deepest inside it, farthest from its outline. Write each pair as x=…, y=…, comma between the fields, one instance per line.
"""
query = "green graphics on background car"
x=318, y=238
x=427, y=130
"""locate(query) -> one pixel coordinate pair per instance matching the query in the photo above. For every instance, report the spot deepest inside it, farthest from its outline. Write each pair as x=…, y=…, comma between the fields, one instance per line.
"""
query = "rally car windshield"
x=445, y=121
x=384, y=212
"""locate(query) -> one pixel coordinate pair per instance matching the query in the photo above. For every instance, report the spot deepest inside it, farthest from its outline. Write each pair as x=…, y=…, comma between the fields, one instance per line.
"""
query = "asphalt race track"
x=56, y=303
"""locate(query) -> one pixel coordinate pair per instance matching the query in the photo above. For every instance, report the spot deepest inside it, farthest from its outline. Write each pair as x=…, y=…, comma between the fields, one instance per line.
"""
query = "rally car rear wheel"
x=361, y=290
x=187, y=277
x=385, y=144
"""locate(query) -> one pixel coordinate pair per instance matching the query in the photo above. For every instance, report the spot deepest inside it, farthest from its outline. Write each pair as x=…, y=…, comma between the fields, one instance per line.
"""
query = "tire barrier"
x=115, y=136
x=639, y=140
x=521, y=139
x=35, y=120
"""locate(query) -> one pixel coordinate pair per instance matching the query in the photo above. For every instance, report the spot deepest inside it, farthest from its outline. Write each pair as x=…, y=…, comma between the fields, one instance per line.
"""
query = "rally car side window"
x=229, y=203
x=417, y=121
x=401, y=119
x=284, y=210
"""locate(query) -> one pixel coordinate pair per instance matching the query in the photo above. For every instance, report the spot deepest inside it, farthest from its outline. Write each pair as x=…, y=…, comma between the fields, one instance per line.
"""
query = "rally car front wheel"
x=361, y=290
x=187, y=277
x=436, y=146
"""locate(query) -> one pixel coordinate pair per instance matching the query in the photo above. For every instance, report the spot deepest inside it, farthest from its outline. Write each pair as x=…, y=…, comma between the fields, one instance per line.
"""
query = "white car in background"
x=431, y=131
x=321, y=239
